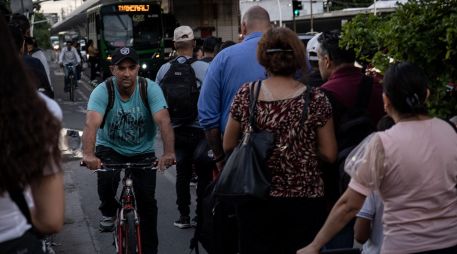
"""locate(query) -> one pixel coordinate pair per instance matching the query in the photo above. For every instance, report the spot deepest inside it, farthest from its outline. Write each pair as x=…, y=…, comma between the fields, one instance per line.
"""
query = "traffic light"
x=296, y=7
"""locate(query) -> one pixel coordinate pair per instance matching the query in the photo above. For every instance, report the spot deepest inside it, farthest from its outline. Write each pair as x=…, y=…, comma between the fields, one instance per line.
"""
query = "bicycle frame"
x=125, y=222
x=71, y=76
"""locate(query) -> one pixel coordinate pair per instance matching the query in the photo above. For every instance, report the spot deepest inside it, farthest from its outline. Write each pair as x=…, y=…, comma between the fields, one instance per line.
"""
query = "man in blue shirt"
x=127, y=136
x=231, y=68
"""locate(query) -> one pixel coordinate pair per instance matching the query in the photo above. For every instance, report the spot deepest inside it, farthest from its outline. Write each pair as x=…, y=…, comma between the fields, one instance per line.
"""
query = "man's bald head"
x=256, y=19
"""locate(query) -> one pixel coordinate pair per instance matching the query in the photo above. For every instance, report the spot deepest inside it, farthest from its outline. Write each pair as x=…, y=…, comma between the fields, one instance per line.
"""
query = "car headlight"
x=144, y=66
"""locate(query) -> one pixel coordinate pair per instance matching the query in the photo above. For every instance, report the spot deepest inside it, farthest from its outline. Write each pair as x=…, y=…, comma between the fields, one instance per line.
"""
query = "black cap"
x=123, y=53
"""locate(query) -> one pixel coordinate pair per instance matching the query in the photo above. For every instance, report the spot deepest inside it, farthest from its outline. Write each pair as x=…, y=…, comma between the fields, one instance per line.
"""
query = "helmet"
x=312, y=46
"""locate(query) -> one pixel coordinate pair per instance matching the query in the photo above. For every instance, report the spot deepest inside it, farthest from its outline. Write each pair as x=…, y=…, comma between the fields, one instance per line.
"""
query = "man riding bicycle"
x=126, y=134
x=68, y=56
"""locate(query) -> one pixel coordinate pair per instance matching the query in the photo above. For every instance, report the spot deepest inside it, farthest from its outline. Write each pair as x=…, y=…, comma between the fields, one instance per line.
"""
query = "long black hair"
x=406, y=87
x=29, y=133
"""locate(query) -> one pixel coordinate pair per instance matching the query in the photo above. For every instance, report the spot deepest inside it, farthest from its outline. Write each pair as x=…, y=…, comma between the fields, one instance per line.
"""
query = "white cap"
x=183, y=33
x=312, y=46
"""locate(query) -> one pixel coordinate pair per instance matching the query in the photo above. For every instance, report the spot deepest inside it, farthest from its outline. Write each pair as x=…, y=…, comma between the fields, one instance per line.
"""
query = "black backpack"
x=179, y=86
x=352, y=125
x=110, y=87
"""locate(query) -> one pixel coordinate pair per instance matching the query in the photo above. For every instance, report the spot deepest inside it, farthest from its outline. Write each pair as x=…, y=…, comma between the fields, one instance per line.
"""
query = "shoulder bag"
x=245, y=175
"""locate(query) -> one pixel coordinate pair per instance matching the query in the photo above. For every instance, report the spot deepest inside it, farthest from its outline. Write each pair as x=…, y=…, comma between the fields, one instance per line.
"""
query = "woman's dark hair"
x=329, y=45
x=281, y=52
x=406, y=87
x=29, y=132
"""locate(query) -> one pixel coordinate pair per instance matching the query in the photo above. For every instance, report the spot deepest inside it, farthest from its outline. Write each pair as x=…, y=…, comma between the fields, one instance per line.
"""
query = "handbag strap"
x=18, y=197
x=254, y=91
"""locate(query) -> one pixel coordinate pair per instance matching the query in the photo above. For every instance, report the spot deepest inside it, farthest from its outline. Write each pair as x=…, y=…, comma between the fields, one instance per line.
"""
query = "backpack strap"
x=110, y=87
x=364, y=93
x=144, y=93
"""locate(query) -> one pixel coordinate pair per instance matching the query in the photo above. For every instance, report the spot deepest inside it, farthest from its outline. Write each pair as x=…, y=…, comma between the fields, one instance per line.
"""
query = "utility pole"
x=311, y=15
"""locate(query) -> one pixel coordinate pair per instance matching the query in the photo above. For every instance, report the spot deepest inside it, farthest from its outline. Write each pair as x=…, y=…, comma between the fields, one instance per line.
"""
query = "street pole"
x=311, y=15
x=374, y=7
x=294, y=23
x=280, y=14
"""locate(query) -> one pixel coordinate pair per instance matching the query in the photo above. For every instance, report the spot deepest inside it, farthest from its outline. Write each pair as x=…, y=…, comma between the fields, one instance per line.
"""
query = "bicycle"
x=126, y=234
x=71, y=76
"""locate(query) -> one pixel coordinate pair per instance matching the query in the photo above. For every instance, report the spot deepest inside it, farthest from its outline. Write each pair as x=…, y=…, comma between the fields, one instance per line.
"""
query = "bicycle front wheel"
x=130, y=234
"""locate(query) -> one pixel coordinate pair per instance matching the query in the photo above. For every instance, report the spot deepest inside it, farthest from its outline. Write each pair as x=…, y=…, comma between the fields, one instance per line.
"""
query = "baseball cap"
x=312, y=46
x=123, y=53
x=183, y=33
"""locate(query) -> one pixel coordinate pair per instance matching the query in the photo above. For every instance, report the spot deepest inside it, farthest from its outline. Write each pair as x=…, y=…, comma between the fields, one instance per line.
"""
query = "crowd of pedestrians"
x=330, y=184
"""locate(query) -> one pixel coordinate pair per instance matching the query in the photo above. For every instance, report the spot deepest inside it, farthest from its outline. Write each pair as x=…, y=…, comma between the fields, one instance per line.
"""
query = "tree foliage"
x=41, y=31
x=423, y=32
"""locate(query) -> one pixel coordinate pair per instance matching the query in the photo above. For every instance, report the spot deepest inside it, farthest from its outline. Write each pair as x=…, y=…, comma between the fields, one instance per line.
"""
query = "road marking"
x=59, y=73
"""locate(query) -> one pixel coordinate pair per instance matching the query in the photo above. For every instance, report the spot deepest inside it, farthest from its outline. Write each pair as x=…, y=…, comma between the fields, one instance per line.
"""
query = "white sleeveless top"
x=13, y=223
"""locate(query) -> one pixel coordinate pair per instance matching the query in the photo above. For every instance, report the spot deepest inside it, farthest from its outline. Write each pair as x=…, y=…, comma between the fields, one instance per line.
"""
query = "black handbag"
x=245, y=175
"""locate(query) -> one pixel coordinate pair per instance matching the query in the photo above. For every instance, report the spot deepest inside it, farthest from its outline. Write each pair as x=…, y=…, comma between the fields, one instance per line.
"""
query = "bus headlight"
x=144, y=66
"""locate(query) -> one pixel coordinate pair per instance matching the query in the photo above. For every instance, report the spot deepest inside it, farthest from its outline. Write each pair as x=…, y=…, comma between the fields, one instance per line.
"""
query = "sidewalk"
x=76, y=236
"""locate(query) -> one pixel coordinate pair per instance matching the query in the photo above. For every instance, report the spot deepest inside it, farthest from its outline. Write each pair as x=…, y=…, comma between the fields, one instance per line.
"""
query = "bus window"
x=118, y=30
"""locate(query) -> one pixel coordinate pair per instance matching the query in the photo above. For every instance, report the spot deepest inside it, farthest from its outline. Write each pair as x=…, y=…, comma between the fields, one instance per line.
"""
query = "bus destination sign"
x=133, y=7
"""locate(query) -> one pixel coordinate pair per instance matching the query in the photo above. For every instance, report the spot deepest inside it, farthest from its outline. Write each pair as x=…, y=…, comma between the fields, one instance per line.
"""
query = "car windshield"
x=132, y=30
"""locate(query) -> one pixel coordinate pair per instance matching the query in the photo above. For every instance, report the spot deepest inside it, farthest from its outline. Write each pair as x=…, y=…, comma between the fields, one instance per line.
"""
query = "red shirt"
x=343, y=86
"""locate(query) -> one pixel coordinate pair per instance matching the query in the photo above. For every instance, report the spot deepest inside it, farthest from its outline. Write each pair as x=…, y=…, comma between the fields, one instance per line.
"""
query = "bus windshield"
x=140, y=30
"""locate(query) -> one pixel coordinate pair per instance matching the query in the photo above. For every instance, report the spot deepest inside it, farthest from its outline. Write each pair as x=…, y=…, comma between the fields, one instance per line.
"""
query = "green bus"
x=139, y=25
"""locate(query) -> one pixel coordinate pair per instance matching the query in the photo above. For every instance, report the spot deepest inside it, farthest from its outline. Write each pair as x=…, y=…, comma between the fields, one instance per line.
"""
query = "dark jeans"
x=279, y=225
x=343, y=239
x=189, y=150
x=93, y=67
x=28, y=243
x=144, y=184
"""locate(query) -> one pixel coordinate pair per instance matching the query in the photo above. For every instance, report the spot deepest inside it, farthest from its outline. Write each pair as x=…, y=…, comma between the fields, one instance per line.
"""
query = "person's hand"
x=92, y=162
x=166, y=161
x=310, y=249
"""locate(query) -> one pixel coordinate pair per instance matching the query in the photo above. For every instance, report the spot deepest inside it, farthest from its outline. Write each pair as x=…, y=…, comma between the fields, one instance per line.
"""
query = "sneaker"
x=106, y=224
x=183, y=222
x=193, y=180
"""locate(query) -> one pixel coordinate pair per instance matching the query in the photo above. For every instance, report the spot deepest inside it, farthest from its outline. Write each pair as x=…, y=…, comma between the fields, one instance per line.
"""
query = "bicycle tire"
x=72, y=88
x=130, y=239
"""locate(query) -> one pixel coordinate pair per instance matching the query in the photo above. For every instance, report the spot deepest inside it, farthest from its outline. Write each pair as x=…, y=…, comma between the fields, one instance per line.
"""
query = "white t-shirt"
x=372, y=210
x=13, y=223
x=40, y=56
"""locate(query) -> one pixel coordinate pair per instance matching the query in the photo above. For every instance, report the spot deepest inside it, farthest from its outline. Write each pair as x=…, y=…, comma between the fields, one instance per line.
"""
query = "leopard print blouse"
x=294, y=159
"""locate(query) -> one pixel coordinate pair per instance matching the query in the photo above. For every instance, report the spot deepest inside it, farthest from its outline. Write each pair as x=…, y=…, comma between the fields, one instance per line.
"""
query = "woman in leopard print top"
x=296, y=209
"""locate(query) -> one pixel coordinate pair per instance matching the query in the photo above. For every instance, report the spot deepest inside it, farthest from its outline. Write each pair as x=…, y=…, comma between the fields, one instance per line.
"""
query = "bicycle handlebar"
x=128, y=165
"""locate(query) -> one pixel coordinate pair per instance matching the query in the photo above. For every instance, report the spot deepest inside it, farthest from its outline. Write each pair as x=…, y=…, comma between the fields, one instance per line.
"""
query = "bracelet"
x=219, y=159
